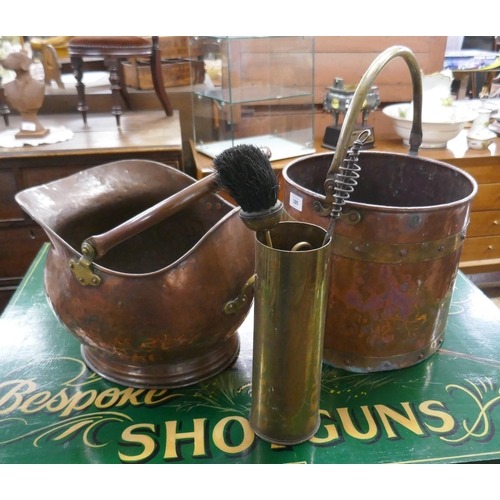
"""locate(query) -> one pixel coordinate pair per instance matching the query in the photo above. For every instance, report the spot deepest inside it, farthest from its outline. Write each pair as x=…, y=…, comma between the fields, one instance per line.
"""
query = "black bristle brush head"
x=246, y=174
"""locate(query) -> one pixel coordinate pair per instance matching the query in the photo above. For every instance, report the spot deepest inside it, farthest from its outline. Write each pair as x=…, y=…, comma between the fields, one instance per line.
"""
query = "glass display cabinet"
x=256, y=90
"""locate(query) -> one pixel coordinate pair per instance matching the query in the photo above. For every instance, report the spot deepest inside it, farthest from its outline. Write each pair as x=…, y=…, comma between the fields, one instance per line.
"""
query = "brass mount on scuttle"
x=82, y=268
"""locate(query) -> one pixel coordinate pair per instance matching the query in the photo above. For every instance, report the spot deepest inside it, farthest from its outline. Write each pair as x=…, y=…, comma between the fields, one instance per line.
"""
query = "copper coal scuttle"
x=149, y=312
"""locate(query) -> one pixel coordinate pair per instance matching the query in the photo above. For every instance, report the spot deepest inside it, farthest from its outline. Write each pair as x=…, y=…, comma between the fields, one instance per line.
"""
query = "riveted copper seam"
x=402, y=253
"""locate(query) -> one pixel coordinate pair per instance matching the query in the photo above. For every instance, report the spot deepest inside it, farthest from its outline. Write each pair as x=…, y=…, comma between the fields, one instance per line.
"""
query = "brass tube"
x=290, y=306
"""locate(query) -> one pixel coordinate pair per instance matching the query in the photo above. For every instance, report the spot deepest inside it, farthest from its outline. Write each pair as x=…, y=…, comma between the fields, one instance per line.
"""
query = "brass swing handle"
x=356, y=105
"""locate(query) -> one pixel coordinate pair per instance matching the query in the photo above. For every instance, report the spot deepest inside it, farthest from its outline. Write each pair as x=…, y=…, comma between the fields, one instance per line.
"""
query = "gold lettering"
x=76, y=398
x=44, y=396
x=410, y=421
x=130, y=395
x=220, y=442
x=448, y=420
x=350, y=429
x=54, y=406
x=331, y=431
x=15, y=394
x=146, y=441
x=198, y=434
x=113, y=394
x=148, y=399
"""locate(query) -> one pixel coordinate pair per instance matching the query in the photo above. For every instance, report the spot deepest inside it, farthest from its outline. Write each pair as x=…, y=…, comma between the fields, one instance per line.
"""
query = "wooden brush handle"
x=104, y=242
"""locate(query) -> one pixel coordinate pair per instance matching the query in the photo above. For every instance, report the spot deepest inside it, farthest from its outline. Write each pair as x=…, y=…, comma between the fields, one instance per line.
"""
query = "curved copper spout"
x=357, y=103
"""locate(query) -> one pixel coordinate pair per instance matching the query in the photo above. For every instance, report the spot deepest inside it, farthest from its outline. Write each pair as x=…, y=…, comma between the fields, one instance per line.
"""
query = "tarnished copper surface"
x=156, y=319
x=393, y=272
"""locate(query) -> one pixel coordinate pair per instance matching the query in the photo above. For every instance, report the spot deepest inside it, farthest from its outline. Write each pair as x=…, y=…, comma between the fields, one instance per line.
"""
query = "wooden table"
x=481, y=251
x=54, y=410
x=143, y=135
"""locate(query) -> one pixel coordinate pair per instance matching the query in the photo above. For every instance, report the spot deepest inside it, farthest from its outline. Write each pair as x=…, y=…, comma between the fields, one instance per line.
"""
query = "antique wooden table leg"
x=114, y=79
x=77, y=63
x=156, y=73
x=123, y=87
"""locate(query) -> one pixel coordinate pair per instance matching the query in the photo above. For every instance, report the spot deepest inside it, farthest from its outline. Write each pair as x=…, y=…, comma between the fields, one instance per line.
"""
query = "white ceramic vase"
x=480, y=136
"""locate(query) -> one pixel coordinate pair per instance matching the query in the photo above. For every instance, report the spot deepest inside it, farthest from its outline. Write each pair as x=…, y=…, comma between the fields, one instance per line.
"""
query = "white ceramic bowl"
x=435, y=134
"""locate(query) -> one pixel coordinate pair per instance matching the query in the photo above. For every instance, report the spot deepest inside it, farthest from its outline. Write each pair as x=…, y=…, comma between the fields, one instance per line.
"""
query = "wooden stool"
x=112, y=49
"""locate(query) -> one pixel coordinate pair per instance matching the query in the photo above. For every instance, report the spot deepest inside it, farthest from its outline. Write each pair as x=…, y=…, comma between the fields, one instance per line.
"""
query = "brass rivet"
x=420, y=356
x=209, y=206
x=71, y=265
x=495, y=222
x=441, y=248
x=403, y=253
x=218, y=206
x=80, y=280
x=357, y=249
x=490, y=247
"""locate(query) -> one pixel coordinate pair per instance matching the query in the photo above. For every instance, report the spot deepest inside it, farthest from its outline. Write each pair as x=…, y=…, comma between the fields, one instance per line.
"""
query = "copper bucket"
x=396, y=247
x=156, y=317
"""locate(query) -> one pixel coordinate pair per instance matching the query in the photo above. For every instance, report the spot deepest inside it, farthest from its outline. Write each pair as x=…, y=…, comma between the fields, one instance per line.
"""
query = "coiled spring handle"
x=346, y=180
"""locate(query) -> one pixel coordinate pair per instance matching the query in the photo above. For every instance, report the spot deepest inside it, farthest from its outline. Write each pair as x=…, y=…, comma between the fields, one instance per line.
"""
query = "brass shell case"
x=291, y=290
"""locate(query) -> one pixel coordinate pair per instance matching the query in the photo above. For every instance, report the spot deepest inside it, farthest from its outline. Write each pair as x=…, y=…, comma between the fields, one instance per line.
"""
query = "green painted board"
x=54, y=410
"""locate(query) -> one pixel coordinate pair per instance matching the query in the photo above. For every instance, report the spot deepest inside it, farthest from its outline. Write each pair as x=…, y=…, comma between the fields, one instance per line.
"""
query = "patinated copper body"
x=395, y=255
x=156, y=319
